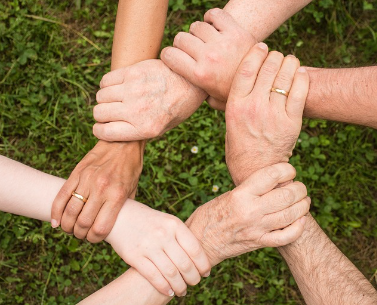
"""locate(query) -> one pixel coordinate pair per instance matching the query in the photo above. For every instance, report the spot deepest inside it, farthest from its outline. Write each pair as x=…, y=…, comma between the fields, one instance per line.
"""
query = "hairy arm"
x=345, y=95
x=323, y=273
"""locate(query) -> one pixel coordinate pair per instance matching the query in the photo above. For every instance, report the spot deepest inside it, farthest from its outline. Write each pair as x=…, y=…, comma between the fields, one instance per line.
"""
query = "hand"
x=263, y=126
x=253, y=215
x=209, y=55
x=107, y=176
x=160, y=247
x=143, y=101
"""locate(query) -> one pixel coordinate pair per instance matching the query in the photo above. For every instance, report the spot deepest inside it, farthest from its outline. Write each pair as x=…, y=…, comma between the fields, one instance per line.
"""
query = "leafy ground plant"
x=52, y=56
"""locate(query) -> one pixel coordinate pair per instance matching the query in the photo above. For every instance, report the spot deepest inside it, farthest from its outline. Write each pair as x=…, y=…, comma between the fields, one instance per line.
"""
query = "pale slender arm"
x=19, y=181
x=323, y=273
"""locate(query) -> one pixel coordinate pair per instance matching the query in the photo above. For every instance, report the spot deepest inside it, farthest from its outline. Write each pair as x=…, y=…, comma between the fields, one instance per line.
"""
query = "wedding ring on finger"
x=78, y=196
x=280, y=91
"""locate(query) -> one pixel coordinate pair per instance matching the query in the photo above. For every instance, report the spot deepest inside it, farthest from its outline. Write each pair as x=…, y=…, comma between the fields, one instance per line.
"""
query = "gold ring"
x=78, y=196
x=280, y=91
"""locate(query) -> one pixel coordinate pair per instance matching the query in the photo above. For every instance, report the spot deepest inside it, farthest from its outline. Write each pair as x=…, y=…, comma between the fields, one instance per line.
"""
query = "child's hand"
x=160, y=247
x=209, y=55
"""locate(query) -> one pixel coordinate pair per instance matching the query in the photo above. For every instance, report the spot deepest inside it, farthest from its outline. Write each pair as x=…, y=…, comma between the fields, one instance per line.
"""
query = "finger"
x=148, y=270
x=183, y=263
x=203, y=31
x=116, y=131
x=110, y=94
x=74, y=208
x=284, y=81
x=87, y=216
x=247, y=72
x=266, y=179
x=287, y=216
x=62, y=198
x=170, y=272
x=104, y=221
x=180, y=62
x=216, y=104
x=189, y=44
x=286, y=236
x=194, y=250
x=298, y=95
x=268, y=73
x=221, y=20
x=112, y=78
x=283, y=197
x=110, y=112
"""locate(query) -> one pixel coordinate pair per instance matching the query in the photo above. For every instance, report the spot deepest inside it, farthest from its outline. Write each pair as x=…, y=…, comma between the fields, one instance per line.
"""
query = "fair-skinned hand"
x=143, y=101
x=160, y=246
x=263, y=126
x=107, y=176
x=208, y=56
x=253, y=215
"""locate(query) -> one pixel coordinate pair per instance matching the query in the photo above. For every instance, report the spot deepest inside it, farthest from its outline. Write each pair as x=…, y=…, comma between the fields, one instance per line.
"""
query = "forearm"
x=138, y=31
x=346, y=95
x=261, y=18
x=27, y=192
x=323, y=273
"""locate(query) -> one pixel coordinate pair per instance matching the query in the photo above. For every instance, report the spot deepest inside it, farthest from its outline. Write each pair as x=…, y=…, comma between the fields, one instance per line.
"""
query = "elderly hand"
x=160, y=247
x=143, y=101
x=263, y=126
x=106, y=176
x=253, y=215
x=209, y=55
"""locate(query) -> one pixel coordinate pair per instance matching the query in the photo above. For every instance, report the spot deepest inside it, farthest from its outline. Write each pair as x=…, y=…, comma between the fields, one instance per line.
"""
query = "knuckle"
x=273, y=172
x=100, y=230
x=201, y=74
x=102, y=182
x=246, y=69
x=171, y=271
x=193, y=26
x=185, y=266
x=270, y=67
x=72, y=210
x=84, y=222
x=288, y=195
x=288, y=217
x=178, y=38
x=283, y=78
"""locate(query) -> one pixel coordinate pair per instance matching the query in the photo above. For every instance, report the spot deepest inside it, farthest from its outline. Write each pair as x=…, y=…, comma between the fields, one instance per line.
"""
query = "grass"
x=52, y=56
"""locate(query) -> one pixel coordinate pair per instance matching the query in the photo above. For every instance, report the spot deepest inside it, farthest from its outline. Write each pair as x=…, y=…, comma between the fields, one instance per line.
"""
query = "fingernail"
x=166, y=53
x=290, y=55
x=215, y=11
x=302, y=70
x=303, y=220
x=171, y=293
x=54, y=223
x=263, y=46
x=207, y=274
x=184, y=294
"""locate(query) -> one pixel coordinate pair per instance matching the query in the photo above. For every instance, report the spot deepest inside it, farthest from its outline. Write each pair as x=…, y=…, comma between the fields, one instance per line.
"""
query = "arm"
x=345, y=95
x=323, y=273
x=260, y=217
x=109, y=173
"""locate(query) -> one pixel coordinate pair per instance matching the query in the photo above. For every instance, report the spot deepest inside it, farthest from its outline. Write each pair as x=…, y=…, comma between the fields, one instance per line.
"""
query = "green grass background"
x=52, y=57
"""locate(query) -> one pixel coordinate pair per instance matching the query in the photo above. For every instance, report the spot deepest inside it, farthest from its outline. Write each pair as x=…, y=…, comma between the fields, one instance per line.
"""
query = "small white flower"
x=299, y=140
x=215, y=188
x=194, y=149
